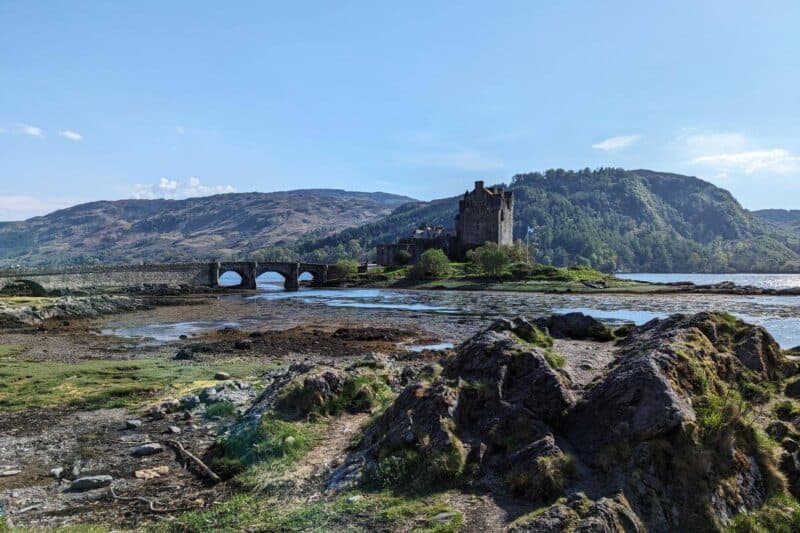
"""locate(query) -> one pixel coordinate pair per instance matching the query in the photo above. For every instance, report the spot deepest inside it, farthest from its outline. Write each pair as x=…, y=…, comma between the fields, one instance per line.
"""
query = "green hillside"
x=611, y=219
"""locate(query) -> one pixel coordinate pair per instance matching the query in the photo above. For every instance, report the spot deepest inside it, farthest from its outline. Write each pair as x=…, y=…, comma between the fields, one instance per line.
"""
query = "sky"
x=147, y=99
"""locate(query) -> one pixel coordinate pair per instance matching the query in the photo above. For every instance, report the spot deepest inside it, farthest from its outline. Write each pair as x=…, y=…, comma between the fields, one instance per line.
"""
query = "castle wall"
x=485, y=215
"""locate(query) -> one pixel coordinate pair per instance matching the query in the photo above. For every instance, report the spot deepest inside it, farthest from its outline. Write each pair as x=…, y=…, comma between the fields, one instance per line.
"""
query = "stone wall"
x=85, y=278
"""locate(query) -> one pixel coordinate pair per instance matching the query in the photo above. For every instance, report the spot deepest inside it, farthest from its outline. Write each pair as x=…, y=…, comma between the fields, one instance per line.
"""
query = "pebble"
x=444, y=518
x=90, y=482
x=151, y=448
x=170, y=405
x=9, y=473
x=289, y=440
x=190, y=401
x=151, y=473
x=175, y=430
x=57, y=472
x=355, y=498
x=133, y=424
x=222, y=376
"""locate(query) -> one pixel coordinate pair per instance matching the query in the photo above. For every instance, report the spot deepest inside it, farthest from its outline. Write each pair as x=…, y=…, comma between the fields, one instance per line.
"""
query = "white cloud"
x=616, y=143
x=180, y=130
x=27, y=129
x=177, y=189
x=71, y=135
x=20, y=207
x=772, y=161
x=736, y=153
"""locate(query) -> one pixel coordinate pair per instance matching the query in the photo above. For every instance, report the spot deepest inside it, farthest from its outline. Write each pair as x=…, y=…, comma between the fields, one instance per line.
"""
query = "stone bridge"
x=42, y=281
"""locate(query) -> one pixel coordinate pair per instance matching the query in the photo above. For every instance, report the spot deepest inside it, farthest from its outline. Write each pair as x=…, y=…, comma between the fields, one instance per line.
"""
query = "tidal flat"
x=282, y=395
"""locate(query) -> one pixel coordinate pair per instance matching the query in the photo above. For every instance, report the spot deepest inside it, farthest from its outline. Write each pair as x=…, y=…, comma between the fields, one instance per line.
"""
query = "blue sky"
x=108, y=100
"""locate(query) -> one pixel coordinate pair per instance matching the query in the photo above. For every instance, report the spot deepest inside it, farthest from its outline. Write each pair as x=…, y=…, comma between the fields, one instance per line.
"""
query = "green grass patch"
x=382, y=511
x=9, y=351
x=780, y=514
x=106, y=383
x=221, y=409
x=786, y=409
x=271, y=446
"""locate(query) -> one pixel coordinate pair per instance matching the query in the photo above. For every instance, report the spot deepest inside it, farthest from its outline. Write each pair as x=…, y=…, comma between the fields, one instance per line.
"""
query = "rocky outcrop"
x=575, y=326
x=662, y=440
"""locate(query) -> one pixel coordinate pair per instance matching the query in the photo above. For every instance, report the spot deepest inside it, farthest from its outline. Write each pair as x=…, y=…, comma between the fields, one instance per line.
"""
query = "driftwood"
x=151, y=504
x=207, y=472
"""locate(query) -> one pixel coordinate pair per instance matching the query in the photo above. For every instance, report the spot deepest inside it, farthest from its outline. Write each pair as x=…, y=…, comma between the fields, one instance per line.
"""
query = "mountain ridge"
x=207, y=227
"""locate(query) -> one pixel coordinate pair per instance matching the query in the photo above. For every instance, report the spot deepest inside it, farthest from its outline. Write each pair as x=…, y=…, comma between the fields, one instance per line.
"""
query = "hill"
x=614, y=220
x=195, y=228
x=788, y=218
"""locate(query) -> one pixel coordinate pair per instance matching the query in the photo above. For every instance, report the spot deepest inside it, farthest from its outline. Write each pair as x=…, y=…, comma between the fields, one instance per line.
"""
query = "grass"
x=9, y=351
x=524, y=278
x=27, y=301
x=366, y=391
x=105, y=383
x=221, y=409
x=381, y=511
x=544, y=479
x=786, y=409
x=780, y=514
x=270, y=447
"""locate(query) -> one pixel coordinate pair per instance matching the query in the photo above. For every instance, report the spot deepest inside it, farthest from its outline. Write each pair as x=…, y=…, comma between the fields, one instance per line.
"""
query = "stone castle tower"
x=485, y=215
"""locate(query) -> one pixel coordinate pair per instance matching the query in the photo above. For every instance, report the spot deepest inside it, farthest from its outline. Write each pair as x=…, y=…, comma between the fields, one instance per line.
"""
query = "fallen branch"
x=151, y=504
x=197, y=462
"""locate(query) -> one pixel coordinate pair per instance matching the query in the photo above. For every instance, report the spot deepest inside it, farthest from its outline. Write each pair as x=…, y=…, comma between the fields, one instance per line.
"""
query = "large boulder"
x=575, y=326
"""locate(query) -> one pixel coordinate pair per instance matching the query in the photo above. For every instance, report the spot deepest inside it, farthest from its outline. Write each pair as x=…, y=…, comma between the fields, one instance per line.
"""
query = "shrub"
x=491, y=259
x=348, y=267
x=402, y=257
x=432, y=264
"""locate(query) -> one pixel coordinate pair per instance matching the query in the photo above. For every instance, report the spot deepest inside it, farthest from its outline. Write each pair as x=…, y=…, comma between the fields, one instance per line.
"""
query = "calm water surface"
x=766, y=281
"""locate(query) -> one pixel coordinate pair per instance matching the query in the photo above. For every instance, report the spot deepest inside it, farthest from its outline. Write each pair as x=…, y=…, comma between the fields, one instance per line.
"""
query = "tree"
x=348, y=267
x=432, y=264
x=491, y=259
x=402, y=257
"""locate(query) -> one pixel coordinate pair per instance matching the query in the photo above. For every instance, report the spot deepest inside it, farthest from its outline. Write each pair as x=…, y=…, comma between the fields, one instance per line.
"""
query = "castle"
x=485, y=214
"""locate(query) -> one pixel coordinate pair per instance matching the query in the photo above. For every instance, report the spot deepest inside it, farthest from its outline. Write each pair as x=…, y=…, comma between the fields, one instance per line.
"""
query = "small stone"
x=175, y=430
x=220, y=376
x=289, y=440
x=355, y=498
x=184, y=355
x=57, y=472
x=90, y=483
x=133, y=424
x=9, y=473
x=170, y=405
x=151, y=448
x=156, y=413
x=444, y=518
x=151, y=473
x=190, y=401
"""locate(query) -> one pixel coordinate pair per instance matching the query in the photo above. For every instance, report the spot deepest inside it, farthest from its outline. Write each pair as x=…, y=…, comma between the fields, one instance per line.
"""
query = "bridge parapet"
x=188, y=274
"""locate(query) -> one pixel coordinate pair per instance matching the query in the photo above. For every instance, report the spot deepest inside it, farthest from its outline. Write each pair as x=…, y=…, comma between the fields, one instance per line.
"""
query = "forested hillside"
x=611, y=219
x=788, y=218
